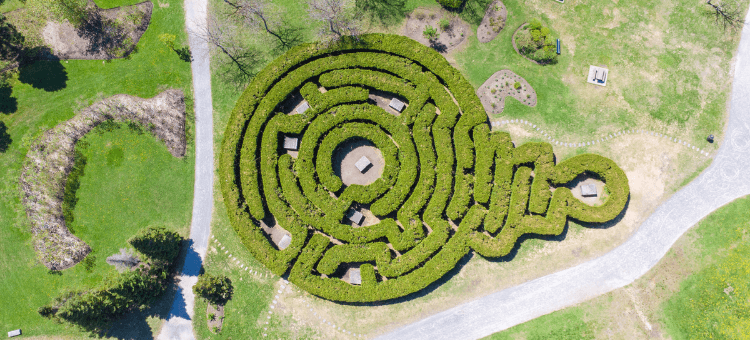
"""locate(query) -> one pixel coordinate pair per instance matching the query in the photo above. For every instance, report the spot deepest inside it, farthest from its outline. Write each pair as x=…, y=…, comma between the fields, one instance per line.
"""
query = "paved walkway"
x=726, y=179
x=179, y=323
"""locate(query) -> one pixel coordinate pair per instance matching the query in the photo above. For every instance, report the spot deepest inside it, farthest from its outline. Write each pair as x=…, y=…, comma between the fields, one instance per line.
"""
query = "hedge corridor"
x=449, y=185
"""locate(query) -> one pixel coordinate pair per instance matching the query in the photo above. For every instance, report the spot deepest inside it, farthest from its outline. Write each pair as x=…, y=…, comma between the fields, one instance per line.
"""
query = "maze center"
x=397, y=189
x=347, y=156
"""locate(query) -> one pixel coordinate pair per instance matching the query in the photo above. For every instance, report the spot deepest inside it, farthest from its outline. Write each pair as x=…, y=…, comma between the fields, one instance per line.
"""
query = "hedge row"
x=483, y=184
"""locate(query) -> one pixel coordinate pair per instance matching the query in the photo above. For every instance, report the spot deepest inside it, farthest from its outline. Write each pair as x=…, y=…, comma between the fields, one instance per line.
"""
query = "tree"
x=338, y=20
x=216, y=289
x=157, y=243
x=239, y=59
x=262, y=15
x=11, y=41
x=726, y=12
x=388, y=12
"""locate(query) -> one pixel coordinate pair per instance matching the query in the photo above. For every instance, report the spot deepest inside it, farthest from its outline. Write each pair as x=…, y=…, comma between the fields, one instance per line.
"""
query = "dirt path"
x=724, y=181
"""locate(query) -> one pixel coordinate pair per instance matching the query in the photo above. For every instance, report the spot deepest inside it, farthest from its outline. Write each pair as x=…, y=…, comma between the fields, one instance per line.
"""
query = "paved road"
x=179, y=323
x=726, y=179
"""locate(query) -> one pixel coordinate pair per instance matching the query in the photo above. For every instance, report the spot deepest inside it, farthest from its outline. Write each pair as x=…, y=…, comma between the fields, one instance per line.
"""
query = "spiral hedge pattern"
x=448, y=186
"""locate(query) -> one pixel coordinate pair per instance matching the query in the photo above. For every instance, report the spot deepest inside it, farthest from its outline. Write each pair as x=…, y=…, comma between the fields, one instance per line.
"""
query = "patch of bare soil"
x=51, y=157
x=454, y=36
x=493, y=22
x=106, y=34
x=502, y=84
x=347, y=154
x=216, y=322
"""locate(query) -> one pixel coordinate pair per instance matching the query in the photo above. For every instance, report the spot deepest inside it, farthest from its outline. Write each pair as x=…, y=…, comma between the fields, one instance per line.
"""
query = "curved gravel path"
x=725, y=180
x=179, y=322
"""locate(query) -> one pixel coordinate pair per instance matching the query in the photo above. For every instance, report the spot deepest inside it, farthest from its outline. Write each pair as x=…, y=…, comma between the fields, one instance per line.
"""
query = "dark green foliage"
x=451, y=4
x=11, y=41
x=536, y=42
x=157, y=243
x=93, y=309
x=431, y=33
x=433, y=169
x=216, y=289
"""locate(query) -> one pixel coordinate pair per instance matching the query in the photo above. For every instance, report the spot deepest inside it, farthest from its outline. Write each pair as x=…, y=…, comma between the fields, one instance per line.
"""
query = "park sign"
x=448, y=186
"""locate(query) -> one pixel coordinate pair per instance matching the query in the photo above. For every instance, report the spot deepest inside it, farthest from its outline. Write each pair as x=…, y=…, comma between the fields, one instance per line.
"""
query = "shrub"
x=537, y=43
x=516, y=85
x=451, y=4
x=430, y=33
x=216, y=289
x=157, y=243
x=444, y=24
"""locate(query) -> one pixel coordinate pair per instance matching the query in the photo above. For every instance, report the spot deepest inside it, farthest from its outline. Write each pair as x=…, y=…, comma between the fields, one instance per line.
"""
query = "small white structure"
x=363, y=164
x=303, y=107
x=588, y=190
x=355, y=216
x=291, y=143
x=285, y=242
x=597, y=75
x=355, y=276
x=396, y=104
x=17, y=332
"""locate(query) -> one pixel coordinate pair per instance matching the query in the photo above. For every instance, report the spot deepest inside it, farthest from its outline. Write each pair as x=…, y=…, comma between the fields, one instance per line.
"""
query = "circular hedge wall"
x=448, y=186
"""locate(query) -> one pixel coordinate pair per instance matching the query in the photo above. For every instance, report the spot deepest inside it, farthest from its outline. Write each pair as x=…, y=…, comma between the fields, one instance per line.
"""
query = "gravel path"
x=179, y=323
x=725, y=180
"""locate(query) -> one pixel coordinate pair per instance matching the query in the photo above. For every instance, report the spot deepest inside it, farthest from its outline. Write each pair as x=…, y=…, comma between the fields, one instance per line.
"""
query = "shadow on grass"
x=8, y=104
x=135, y=325
x=48, y=75
x=388, y=12
x=5, y=139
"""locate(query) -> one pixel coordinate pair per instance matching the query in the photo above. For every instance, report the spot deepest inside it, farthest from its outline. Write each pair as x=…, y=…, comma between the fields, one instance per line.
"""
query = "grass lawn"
x=687, y=295
x=668, y=67
x=130, y=180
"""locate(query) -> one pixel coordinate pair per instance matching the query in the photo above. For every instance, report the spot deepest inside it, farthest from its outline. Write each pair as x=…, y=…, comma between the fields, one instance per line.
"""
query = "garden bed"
x=449, y=39
x=493, y=22
x=502, y=84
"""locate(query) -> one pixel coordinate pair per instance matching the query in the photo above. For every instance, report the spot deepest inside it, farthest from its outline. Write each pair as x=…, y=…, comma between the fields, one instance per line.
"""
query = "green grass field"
x=686, y=295
x=130, y=180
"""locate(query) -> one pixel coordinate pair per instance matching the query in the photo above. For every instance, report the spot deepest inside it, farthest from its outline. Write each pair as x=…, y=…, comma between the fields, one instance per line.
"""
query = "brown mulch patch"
x=51, y=158
x=493, y=22
x=217, y=323
x=108, y=33
x=450, y=39
x=502, y=83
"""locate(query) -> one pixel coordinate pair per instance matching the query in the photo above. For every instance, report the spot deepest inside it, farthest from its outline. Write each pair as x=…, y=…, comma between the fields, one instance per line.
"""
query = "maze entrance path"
x=447, y=187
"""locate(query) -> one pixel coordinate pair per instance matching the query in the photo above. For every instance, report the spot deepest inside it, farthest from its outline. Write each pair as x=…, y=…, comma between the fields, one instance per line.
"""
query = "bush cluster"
x=217, y=289
x=449, y=185
x=93, y=309
x=451, y=4
x=536, y=42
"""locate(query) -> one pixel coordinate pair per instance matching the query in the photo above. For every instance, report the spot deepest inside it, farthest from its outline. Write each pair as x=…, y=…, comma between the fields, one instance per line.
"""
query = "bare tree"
x=339, y=20
x=239, y=59
x=260, y=14
x=726, y=12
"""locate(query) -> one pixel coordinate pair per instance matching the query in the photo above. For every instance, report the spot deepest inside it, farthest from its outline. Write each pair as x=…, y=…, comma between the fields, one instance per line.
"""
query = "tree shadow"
x=105, y=35
x=8, y=104
x=288, y=38
x=387, y=12
x=5, y=139
x=48, y=75
x=473, y=11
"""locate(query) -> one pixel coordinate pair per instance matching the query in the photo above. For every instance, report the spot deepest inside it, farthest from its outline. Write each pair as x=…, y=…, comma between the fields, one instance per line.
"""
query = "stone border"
x=599, y=139
x=51, y=157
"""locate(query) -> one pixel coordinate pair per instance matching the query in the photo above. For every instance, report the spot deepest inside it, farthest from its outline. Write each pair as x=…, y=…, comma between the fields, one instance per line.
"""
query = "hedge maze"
x=448, y=185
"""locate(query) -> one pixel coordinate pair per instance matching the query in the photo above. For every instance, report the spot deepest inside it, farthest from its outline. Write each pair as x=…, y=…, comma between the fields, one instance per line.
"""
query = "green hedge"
x=449, y=185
